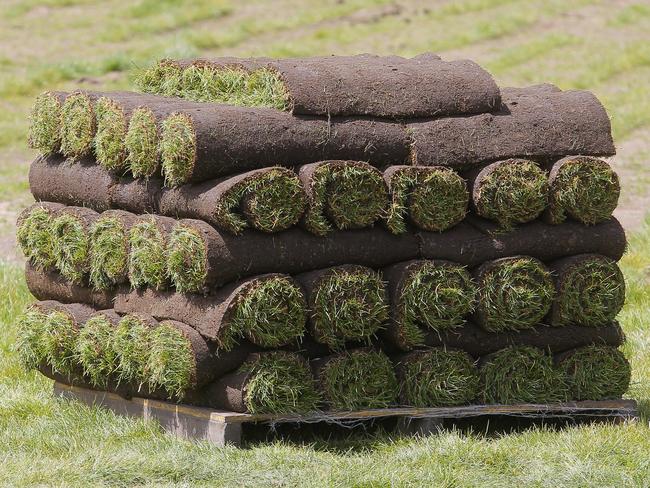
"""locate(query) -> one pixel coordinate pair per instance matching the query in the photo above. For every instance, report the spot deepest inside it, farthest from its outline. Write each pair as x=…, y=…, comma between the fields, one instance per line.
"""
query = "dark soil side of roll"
x=521, y=375
x=109, y=249
x=595, y=372
x=342, y=195
x=148, y=239
x=45, y=122
x=513, y=293
x=71, y=230
x=509, y=192
x=437, y=378
x=93, y=348
x=34, y=233
x=590, y=291
x=431, y=198
x=583, y=188
x=356, y=379
x=346, y=303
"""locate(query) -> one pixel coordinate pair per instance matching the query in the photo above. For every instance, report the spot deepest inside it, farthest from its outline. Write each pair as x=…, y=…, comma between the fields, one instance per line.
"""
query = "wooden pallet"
x=222, y=427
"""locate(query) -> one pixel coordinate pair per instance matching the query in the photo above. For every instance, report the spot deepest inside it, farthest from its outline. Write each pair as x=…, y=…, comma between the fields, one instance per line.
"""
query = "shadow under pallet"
x=222, y=427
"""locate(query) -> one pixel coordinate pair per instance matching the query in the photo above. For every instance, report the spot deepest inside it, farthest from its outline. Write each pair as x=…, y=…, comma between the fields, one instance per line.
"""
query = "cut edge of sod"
x=349, y=304
x=511, y=192
x=45, y=123
x=439, y=295
x=147, y=250
x=77, y=126
x=513, y=293
x=521, y=374
x=59, y=341
x=279, y=382
x=270, y=312
x=438, y=378
x=591, y=292
x=71, y=247
x=359, y=379
x=131, y=347
x=110, y=148
x=433, y=199
x=585, y=189
x=109, y=252
x=93, y=350
x=596, y=372
x=30, y=332
x=141, y=143
x=35, y=237
x=187, y=257
x=162, y=78
x=270, y=201
x=345, y=195
x=177, y=148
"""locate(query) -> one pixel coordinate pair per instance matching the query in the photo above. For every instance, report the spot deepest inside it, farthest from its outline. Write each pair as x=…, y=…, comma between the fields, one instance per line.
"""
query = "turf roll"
x=78, y=124
x=430, y=198
x=582, y=188
x=590, y=290
x=548, y=124
x=35, y=235
x=268, y=310
x=513, y=191
x=356, y=379
x=71, y=229
x=45, y=122
x=595, y=372
x=346, y=303
x=342, y=195
x=513, y=293
x=426, y=294
x=200, y=257
x=94, y=350
x=240, y=139
x=50, y=285
x=131, y=346
x=109, y=249
x=274, y=382
x=148, y=239
x=382, y=86
x=437, y=378
x=30, y=334
x=269, y=200
x=521, y=374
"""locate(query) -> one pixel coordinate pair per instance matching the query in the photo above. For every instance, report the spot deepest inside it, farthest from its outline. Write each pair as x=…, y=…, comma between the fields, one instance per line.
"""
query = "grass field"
x=48, y=44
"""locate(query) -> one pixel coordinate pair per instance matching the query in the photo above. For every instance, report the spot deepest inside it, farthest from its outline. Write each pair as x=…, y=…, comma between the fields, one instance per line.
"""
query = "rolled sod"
x=89, y=185
x=582, y=188
x=595, y=372
x=35, y=235
x=530, y=123
x=148, y=239
x=71, y=230
x=521, y=374
x=513, y=293
x=131, y=347
x=273, y=382
x=356, y=379
x=78, y=124
x=437, y=378
x=513, y=191
x=382, y=86
x=342, y=195
x=45, y=122
x=590, y=291
x=201, y=257
x=109, y=249
x=50, y=285
x=347, y=303
x=194, y=139
x=268, y=310
x=94, y=351
x=269, y=200
x=30, y=334
x=427, y=294
x=430, y=198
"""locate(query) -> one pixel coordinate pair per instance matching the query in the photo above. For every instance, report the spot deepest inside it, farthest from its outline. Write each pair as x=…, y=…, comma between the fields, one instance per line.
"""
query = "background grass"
x=63, y=44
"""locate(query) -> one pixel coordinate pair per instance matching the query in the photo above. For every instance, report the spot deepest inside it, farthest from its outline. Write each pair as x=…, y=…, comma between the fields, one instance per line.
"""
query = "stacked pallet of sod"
x=341, y=233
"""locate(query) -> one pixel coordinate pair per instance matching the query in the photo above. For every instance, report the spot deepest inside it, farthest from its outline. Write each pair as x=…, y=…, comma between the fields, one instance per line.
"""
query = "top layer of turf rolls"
x=45, y=122
x=388, y=86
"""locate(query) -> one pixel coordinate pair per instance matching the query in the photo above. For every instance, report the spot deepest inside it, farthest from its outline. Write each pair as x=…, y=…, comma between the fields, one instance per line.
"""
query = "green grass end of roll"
x=78, y=126
x=177, y=149
x=131, y=348
x=141, y=143
x=147, y=261
x=186, y=259
x=94, y=351
x=35, y=237
x=30, y=334
x=45, y=123
x=110, y=149
x=108, y=252
x=71, y=247
x=59, y=341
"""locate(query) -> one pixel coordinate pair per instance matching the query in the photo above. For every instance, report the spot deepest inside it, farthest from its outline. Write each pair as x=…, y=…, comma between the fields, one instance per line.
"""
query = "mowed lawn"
x=603, y=46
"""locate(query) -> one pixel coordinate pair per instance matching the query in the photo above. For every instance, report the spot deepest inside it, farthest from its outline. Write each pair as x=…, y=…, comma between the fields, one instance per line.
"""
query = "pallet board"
x=223, y=427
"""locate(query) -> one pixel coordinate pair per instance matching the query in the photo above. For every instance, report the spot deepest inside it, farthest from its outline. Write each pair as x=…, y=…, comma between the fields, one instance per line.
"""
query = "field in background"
x=603, y=46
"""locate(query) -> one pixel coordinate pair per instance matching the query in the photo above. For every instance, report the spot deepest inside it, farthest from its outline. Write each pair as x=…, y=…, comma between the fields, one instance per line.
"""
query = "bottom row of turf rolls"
x=135, y=355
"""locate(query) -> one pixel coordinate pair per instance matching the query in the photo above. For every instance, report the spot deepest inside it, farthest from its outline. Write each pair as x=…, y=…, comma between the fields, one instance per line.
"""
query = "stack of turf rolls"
x=338, y=233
